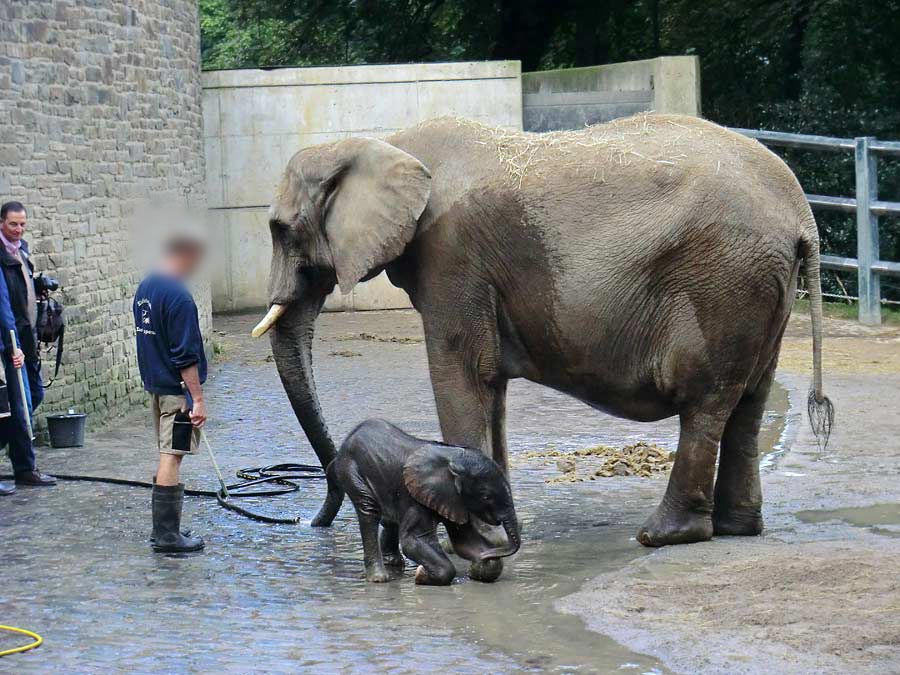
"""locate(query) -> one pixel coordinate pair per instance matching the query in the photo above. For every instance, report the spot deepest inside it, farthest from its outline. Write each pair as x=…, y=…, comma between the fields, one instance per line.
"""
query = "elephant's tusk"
x=269, y=320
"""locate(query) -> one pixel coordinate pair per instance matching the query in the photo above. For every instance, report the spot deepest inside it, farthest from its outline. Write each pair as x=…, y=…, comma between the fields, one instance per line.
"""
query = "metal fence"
x=866, y=205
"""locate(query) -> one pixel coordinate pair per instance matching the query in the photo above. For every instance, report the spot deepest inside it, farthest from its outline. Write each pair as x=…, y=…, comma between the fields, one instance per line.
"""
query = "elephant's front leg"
x=471, y=404
x=418, y=538
x=470, y=395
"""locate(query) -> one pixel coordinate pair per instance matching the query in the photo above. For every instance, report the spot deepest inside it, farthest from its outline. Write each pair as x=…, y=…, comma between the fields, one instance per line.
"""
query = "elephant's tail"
x=819, y=406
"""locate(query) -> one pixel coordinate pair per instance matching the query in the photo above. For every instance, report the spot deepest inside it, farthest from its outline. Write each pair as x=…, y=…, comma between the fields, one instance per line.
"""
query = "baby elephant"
x=408, y=486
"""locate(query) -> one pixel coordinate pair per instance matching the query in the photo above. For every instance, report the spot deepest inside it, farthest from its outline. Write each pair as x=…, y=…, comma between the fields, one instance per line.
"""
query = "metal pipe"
x=806, y=141
x=865, y=205
x=867, y=233
x=15, y=344
x=223, y=486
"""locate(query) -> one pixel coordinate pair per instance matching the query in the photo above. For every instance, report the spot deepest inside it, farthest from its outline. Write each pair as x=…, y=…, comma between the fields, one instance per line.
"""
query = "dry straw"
x=662, y=140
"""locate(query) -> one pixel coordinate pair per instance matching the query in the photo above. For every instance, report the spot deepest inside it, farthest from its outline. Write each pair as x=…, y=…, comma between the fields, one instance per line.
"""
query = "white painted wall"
x=255, y=120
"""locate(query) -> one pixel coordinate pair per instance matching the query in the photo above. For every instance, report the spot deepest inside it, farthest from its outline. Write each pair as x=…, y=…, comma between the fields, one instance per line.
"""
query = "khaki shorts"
x=164, y=408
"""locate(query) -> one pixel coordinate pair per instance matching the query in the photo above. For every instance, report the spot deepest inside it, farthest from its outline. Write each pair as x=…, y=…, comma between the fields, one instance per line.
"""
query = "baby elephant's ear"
x=430, y=481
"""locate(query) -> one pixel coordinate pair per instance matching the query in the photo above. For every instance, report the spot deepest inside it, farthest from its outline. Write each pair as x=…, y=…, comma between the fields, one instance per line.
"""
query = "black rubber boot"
x=167, y=536
x=185, y=533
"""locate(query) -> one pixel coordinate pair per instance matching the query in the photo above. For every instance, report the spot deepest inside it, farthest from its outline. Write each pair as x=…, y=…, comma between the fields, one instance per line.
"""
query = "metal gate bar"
x=867, y=263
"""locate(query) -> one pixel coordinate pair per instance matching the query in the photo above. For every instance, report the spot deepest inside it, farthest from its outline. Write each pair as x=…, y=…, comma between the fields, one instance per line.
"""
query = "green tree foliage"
x=829, y=67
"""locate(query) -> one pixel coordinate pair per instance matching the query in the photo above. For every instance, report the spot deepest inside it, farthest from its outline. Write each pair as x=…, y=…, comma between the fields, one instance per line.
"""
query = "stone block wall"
x=99, y=110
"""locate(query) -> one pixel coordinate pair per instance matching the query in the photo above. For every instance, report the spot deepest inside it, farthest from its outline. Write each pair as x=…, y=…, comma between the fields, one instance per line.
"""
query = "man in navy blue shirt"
x=173, y=369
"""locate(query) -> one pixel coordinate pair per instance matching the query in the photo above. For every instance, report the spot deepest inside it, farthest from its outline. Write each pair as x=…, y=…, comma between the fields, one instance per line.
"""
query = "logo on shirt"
x=145, y=325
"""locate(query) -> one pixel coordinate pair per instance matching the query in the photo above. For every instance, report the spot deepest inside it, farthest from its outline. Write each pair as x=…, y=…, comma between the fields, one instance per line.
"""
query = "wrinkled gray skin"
x=647, y=267
x=409, y=486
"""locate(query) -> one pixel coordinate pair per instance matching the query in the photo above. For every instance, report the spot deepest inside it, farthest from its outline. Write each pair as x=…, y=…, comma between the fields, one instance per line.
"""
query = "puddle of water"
x=777, y=428
x=883, y=519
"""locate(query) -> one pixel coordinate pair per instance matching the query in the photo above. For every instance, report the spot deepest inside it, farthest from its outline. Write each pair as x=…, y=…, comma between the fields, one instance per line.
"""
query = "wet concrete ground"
x=285, y=599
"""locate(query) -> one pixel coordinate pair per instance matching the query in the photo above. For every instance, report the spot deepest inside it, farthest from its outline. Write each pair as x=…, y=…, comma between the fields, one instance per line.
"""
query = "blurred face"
x=185, y=261
x=13, y=227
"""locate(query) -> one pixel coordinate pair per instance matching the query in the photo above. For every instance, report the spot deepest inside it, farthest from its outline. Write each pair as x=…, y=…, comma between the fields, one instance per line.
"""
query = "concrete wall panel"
x=575, y=97
x=256, y=120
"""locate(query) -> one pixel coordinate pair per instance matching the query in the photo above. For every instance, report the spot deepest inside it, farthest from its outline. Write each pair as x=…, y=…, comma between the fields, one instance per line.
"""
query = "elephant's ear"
x=372, y=213
x=432, y=482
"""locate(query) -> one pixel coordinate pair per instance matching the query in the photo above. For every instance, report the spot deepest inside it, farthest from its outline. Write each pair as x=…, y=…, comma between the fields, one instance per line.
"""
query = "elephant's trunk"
x=511, y=527
x=292, y=336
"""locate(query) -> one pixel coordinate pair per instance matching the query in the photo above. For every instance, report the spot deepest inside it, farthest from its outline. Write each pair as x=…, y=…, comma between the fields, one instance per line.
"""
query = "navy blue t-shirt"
x=167, y=328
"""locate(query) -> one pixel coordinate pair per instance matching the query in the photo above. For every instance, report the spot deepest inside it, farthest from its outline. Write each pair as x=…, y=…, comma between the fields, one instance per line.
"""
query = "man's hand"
x=190, y=380
x=198, y=413
x=18, y=359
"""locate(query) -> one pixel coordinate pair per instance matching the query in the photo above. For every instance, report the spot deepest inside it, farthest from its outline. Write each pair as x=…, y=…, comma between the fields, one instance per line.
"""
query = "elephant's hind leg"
x=685, y=514
x=374, y=563
x=367, y=513
x=738, y=495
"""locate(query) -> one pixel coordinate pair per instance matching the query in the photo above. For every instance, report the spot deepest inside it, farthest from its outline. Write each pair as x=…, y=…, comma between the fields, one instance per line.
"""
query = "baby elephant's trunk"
x=511, y=526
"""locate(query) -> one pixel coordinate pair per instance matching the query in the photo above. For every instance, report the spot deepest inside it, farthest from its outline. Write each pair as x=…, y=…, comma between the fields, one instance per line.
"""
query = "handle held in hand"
x=15, y=344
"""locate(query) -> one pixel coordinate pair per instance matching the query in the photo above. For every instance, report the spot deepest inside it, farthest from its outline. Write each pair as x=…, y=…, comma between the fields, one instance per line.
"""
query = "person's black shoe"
x=167, y=536
x=34, y=478
x=7, y=489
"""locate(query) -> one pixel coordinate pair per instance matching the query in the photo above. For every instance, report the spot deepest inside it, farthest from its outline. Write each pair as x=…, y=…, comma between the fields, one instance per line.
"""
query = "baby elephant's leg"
x=368, y=528
x=418, y=538
x=390, y=546
x=345, y=470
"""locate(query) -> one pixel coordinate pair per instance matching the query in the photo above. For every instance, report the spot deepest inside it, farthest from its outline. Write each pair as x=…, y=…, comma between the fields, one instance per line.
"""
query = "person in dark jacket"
x=18, y=270
x=173, y=368
x=14, y=428
x=13, y=359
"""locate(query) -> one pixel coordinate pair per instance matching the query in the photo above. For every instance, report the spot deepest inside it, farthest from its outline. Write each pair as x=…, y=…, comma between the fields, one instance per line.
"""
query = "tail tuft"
x=821, y=417
x=819, y=407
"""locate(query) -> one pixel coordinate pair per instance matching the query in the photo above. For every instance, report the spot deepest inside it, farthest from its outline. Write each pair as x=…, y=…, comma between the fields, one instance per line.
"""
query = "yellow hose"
x=38, y=640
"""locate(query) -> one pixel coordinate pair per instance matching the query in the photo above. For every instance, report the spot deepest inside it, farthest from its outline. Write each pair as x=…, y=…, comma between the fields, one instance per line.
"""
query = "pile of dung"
x=369, y=337
x=602, y=461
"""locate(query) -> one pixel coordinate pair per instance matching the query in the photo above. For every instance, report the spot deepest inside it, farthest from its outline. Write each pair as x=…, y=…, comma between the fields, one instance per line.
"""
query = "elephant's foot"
x=737, y=522
x=669, y=526
x=486, y=571
x=443, y=578
x=395, y=562
x=377, y=574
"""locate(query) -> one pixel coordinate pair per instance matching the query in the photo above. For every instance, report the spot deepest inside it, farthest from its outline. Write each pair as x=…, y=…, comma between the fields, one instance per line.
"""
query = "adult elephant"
x=647, y=267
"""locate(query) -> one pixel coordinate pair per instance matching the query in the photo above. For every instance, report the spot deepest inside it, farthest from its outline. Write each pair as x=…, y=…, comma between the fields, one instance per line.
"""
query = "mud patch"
x=603, y=461
x=346, y=353
x=794, y=609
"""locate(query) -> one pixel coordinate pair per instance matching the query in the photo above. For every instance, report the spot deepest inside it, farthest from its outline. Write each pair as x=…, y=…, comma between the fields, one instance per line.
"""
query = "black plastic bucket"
x=66, y=430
